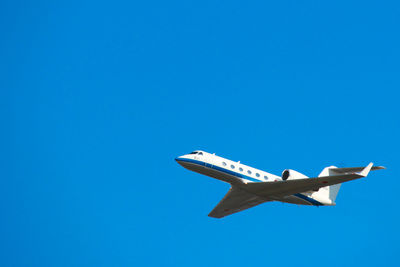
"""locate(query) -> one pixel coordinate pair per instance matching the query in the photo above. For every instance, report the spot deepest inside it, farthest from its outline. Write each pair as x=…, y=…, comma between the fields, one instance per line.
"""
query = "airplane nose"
x=179, y=160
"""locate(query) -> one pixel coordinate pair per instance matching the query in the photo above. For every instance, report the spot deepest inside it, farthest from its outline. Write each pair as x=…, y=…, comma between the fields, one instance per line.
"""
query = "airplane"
x=251, y=187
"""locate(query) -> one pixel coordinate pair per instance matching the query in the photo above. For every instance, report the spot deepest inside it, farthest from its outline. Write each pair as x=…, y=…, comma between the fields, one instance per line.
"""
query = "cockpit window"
x=195, y=152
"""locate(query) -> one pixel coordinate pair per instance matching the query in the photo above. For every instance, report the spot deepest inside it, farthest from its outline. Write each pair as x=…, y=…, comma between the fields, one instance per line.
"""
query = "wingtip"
x=366, y=170
x=211, y=215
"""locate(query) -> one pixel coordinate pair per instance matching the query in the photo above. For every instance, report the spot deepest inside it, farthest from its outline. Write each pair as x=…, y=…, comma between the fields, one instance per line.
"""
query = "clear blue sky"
x=98, y=98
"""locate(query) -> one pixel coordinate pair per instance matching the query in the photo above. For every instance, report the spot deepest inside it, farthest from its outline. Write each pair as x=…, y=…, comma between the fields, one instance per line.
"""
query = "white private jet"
x=251, y=187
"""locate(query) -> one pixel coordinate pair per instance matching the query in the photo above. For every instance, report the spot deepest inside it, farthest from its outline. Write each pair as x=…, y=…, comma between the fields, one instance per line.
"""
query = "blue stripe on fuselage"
x=308, y=199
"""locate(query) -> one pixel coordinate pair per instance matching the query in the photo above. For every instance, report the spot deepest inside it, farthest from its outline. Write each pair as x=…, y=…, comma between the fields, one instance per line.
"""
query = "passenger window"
x=200, y=153
x=223, y=164
x=257, y=174
x=241, y=169
x=266, y=177
x=232, y=166
x=249, y=172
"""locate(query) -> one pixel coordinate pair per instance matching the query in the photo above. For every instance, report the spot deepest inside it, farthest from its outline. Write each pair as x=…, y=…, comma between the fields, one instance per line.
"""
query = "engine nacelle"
x=292, y=175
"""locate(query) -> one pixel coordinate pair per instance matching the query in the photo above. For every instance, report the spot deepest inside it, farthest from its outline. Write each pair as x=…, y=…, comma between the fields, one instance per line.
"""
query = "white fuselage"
x=235, y=173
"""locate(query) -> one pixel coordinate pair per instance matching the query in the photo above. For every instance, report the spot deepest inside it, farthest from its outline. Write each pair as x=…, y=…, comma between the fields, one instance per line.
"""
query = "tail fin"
x=328, y=192
x=331, y=192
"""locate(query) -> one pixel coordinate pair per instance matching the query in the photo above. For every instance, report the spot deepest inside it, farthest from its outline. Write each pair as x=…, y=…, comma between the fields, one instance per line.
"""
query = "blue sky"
x=98, y=99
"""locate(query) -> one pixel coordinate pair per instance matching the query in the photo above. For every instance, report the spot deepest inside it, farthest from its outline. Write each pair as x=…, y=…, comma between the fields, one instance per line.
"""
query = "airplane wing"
x=290, y=187
x=234, y=201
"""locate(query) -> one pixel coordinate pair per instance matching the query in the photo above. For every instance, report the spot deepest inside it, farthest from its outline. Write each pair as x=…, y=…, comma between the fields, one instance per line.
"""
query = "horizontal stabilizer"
x=355, y=169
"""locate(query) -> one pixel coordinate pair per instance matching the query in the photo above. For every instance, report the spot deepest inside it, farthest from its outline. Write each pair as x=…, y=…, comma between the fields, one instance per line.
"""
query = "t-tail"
x=329, y=193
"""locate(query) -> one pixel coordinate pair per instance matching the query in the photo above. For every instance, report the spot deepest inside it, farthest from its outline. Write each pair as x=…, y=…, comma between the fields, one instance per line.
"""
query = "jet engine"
x=292, y=175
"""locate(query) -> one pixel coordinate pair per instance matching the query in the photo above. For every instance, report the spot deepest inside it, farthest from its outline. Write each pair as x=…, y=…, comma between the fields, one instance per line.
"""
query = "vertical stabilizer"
x=333, y=191
x=328, y=192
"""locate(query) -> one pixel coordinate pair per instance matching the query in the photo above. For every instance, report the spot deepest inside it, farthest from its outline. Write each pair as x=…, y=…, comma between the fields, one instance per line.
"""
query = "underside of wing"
x=234, y=201
x=290, y=187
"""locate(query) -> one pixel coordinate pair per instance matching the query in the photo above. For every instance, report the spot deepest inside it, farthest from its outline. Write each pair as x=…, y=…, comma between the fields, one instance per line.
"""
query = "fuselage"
x=236, y=173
